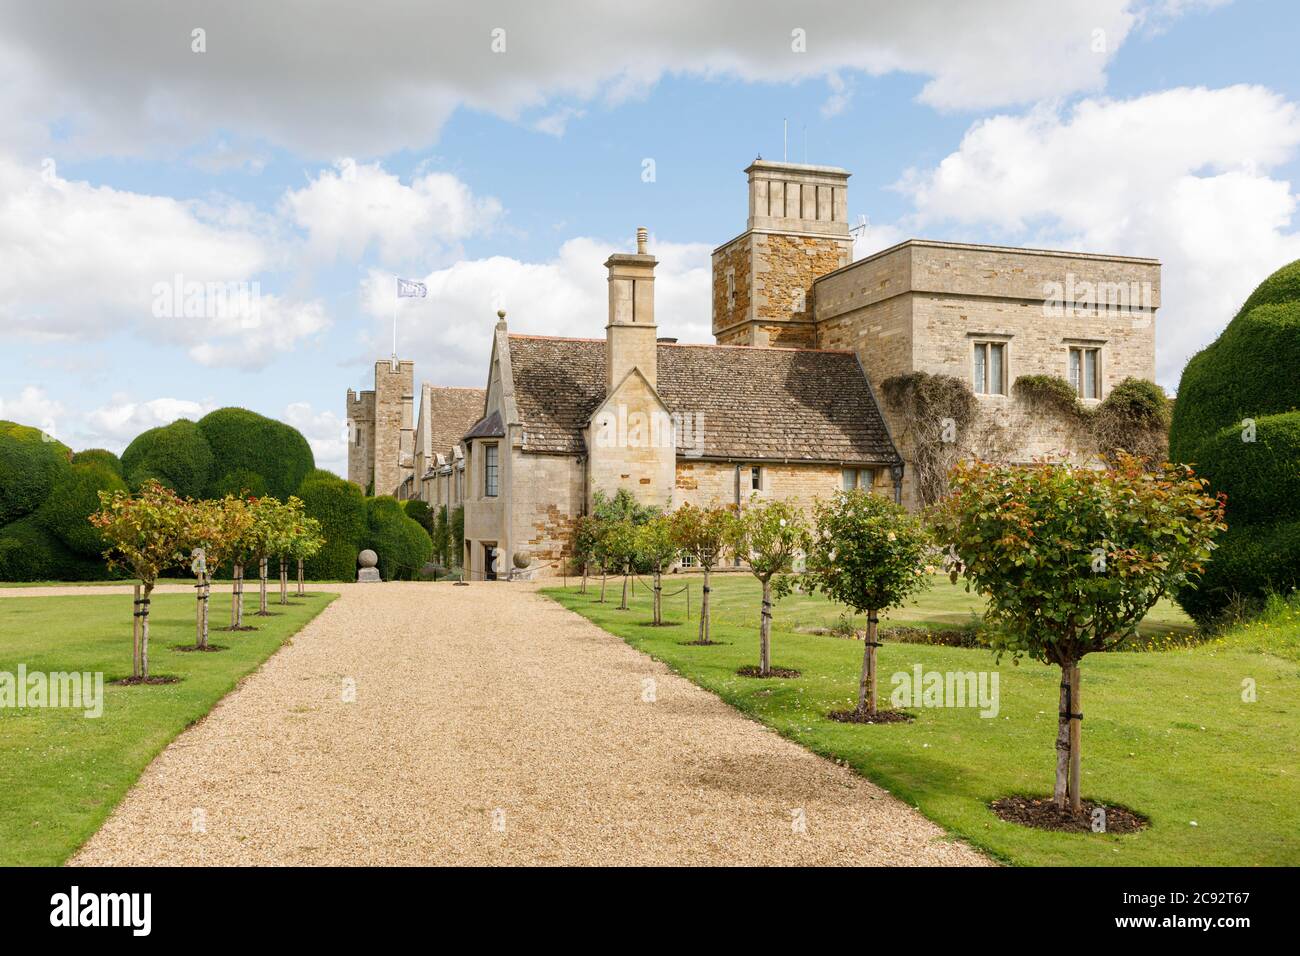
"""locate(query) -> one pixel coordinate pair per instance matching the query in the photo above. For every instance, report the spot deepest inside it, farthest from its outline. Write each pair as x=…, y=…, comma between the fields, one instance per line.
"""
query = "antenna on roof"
x=860, y=230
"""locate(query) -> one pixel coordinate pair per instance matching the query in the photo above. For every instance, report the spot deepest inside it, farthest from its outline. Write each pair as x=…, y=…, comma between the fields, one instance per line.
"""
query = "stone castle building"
x=786, y=403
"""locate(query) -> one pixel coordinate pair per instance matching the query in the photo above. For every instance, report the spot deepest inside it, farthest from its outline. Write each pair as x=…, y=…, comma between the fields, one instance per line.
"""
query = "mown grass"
x=1167, y=734
x=62, y=773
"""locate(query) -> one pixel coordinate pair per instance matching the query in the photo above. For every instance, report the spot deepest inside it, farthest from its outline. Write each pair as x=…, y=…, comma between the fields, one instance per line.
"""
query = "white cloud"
x=83, y=262
x=388, y=76
x=33, y=408
x=347, y=210
x=1180, y=175
x=324, y=431
x=448, y=334
x=115, y=424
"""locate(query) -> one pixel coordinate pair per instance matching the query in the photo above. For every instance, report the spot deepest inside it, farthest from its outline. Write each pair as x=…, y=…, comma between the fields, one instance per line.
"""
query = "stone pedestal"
x=367, y=572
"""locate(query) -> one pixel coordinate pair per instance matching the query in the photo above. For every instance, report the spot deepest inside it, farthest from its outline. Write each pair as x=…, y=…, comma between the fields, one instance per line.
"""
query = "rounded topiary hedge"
x=74, y=498
x=1252, y=371
x=403, y=546
x=28, y=552
x=99, y=456
x=245, y=441
x=178, y=455
x=340, y=507
x=240, y=482
x=1261, y=476
x=30, y=463
x=1250, y=562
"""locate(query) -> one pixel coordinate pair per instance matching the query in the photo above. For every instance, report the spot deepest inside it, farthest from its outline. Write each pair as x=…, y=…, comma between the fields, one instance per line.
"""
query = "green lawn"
x=61, y=773
x=1166, y=734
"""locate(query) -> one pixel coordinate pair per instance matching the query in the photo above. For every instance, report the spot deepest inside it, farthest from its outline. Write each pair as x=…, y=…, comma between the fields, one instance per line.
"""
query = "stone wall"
x=361, y=437
x=545, y=506
x=712, y=483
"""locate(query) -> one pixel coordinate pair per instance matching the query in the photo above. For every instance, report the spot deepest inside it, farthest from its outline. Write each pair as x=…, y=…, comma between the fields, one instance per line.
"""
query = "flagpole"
x=397, y=289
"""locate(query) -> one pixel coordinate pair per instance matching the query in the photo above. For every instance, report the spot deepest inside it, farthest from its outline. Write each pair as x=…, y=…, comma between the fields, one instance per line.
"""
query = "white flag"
x=410, y=289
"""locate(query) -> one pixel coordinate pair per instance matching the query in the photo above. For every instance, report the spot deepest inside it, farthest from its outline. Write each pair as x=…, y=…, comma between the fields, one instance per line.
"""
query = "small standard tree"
x=586, y=535
x=869, y=554
x=704, y=533
x=620, y=547
x=657, y=546
x=146, y=533
x=1072, y=559
x=306, y=544
x=272, y=529
x=768, y=536
x=218, y=527
x=291, y=525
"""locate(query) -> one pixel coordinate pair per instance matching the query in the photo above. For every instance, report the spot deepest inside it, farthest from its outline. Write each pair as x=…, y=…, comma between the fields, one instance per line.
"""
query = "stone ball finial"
x=642, y=237
x=522, y=560
x=501, y=314
x=367, y=559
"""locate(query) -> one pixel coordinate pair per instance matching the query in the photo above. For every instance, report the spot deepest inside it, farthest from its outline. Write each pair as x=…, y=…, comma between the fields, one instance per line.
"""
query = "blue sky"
x=319, y=159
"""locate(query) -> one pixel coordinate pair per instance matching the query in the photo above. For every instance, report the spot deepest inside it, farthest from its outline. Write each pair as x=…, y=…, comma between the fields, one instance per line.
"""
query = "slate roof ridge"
x=687, y=345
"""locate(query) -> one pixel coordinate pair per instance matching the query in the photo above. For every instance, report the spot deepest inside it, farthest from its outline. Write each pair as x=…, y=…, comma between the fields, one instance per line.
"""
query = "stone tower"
x=381, y=433
x=798, y=229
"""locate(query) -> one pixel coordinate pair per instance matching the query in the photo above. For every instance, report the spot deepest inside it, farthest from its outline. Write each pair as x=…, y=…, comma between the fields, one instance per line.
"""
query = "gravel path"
x=492, y=726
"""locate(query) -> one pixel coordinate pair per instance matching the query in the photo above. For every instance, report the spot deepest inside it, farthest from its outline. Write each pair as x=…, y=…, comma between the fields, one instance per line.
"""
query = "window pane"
x=979, y=377
x=1090, y=374
x=849, y=478
x=866, y=479
x=490, y=471
x=1074, y=371
x=756, y=478
x=995, y=368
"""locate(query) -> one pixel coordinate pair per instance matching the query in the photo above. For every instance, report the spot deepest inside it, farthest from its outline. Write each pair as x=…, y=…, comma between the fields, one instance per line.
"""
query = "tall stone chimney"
x=630, y=334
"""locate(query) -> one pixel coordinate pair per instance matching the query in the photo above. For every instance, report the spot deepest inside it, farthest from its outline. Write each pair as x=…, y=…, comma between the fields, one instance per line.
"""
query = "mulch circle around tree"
x=187, y=648
x=1043, y=814
x=751, y=670
x=135, y=681
x=245, y=627
x=879, y=717
x=701, y=643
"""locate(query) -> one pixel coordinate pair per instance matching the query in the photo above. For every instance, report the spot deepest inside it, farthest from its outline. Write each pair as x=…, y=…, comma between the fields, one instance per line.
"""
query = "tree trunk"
x=622, y=606
x=659, y=606
x=261, y=601
x=284, y=581
x=238, y=609
x=584, y=578
x=207, y=603
x=602, y=585
x=1061, y=792
x=1076, y=751
x=765, y=631
x=135, y=633
x=704, y=609
x=144, y=631
x=867, y=682
x=201, y=609
x=301, y=591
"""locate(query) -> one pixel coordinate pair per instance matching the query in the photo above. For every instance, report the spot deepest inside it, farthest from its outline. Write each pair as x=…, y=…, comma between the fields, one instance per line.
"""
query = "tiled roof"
x=449, y=414
x=489, y=426
x=757, y=403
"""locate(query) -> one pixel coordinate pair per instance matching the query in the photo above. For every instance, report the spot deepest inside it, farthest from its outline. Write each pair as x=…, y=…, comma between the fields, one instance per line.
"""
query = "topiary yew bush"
x=245, y=441
x=30, y=463
x=1236, y=420
x=75, y=497
x=176, y=455
x=403, y=546
x=340, y=508
x=28, y=552
x=99, y=456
